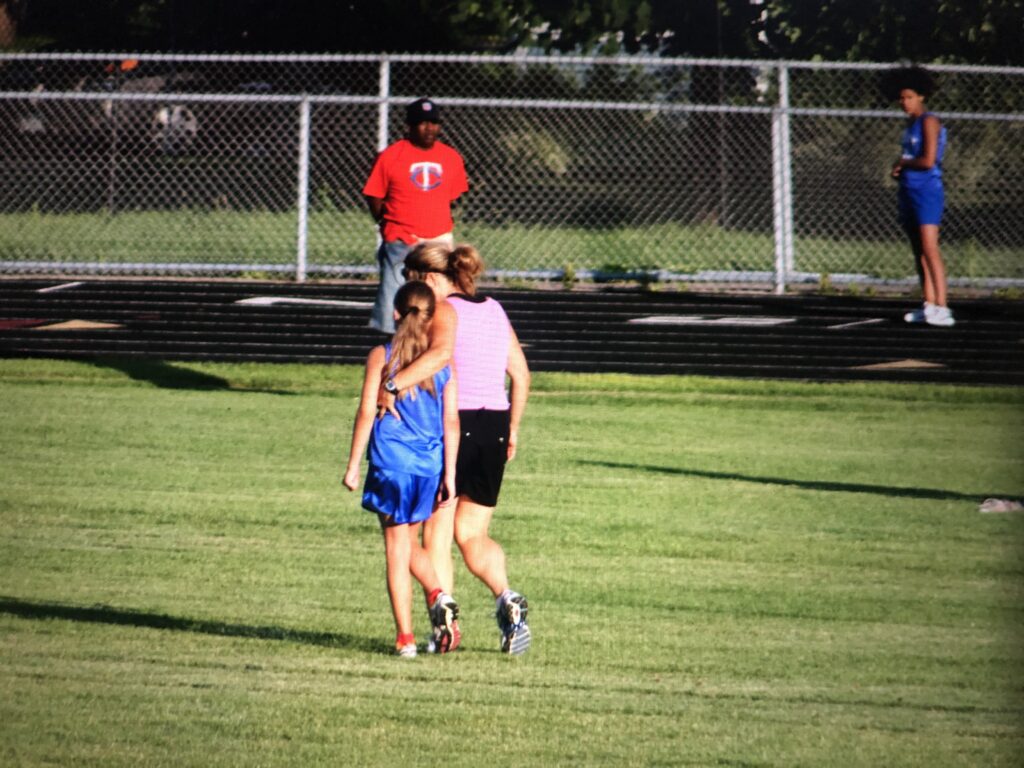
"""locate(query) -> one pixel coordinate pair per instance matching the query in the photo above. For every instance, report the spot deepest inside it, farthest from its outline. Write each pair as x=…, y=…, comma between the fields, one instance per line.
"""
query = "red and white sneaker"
x=444, y=614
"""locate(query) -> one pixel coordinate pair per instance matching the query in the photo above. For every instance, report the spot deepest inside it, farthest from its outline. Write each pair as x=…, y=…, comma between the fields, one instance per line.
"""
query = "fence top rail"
x=514, y=58
x=297, y=98
x=618, y=106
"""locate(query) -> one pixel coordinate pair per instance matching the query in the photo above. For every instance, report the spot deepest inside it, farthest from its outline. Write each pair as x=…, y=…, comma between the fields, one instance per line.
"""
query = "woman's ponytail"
x=464, y=267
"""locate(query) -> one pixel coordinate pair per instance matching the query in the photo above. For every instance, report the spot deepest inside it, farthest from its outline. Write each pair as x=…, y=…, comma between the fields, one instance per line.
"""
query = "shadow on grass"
x=103, y=614
x=811, y=485
x=168, y=376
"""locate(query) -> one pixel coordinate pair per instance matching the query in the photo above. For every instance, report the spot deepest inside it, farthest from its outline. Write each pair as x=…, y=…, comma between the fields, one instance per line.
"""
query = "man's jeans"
x=391, y=259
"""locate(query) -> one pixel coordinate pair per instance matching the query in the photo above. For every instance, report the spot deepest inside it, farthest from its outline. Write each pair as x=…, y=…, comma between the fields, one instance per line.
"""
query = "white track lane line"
x=60, y=287
x=872, y=321
x=749, y=321
x=268, y=301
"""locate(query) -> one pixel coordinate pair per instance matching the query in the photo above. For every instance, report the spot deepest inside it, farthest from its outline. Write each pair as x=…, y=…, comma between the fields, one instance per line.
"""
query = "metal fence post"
x=787, y=174
x=384, y=92
x=382, y=107
x=303, y=198
x=779, y=161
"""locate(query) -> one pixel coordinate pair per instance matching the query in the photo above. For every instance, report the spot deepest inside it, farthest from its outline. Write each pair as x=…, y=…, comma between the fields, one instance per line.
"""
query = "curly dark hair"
x=915, y=78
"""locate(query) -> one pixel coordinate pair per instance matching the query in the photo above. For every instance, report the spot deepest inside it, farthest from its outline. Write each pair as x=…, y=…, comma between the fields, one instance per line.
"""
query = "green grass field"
x=346, y=238
x=721, y=573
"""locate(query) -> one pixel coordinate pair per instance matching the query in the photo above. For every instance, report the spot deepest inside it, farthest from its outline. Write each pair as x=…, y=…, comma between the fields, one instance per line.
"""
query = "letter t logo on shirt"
x=425, y=176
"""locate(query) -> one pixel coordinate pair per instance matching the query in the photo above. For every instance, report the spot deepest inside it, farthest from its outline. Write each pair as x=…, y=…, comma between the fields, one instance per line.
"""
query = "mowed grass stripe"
x=720, y=573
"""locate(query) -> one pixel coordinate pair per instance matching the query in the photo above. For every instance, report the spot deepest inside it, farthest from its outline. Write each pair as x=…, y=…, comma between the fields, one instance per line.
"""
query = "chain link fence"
x=580, y=168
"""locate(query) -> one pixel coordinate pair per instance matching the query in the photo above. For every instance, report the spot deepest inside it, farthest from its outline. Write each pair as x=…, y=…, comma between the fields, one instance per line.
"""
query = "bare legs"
x=924, y=240
x=406, y=559
x=483, y=556
x=437, y=541
x=485, y=559
x=468, y=523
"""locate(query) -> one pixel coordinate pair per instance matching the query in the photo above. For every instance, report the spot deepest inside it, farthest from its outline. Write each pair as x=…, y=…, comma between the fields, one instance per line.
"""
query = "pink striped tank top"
x=482, y=339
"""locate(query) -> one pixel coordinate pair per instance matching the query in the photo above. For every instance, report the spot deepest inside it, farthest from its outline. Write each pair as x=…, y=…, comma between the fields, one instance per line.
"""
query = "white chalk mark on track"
x=741, y=321
x=61, y=287
x=268, y=301
x=872, y=321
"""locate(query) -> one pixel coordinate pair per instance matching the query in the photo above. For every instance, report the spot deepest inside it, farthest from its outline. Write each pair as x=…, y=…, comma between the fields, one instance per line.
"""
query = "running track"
x=820, y=338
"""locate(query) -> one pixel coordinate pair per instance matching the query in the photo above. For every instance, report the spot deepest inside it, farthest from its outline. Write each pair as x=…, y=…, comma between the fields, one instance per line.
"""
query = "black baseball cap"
x=422, y=111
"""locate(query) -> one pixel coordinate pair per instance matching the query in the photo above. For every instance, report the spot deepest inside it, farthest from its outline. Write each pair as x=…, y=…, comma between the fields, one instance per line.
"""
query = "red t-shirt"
x=418, y=187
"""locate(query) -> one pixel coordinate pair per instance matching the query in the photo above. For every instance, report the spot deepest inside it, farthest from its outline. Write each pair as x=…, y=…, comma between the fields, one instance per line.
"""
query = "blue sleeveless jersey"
x=912, y=146
x=414, y=445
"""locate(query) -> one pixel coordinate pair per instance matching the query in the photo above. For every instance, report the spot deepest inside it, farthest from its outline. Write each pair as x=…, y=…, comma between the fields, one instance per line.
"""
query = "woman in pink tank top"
x=473, y=333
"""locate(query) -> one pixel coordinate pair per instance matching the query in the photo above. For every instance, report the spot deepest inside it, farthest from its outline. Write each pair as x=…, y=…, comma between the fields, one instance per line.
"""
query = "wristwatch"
x=390, y=388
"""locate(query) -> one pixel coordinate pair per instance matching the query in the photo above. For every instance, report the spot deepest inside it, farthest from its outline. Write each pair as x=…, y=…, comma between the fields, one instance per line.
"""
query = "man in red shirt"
x=410, y=193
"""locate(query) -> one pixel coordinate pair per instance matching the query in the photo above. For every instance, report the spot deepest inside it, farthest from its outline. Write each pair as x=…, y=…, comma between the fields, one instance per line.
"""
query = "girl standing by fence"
x=921, y=193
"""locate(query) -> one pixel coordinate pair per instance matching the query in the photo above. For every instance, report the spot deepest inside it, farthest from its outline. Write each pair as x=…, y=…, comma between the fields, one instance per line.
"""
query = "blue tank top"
x=912, y=146
x=414, y=445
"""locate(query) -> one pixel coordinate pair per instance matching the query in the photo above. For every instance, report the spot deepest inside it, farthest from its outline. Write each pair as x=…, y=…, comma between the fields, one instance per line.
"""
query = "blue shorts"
x=402, y=497
x=922, y=205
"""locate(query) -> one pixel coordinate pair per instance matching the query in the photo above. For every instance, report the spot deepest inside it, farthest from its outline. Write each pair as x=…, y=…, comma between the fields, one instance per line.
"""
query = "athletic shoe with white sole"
x=511, y=615
x=940, y=316
x=443, y=617
x=917, y=315
x=435, y=639
x=407, y=651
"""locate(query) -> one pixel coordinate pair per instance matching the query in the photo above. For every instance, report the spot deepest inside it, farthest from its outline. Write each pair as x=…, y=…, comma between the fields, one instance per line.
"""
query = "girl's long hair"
x=462, y=265
x=415, y=304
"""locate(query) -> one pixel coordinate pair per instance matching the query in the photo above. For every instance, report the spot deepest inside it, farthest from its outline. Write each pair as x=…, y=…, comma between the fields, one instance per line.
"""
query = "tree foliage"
x=955, y=31
x=969, y=31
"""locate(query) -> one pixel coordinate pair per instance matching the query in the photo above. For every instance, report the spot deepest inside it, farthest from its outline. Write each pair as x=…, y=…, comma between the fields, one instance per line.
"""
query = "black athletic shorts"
x=483, y=451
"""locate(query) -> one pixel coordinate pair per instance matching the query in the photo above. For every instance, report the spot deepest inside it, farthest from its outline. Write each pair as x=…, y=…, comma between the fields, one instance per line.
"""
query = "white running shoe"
x=511, y=615
x=407, y=651
x=940, y=316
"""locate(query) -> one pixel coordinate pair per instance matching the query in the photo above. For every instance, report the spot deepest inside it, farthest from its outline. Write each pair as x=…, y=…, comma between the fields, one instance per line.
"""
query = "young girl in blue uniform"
x=411, y=466
x=921, y=194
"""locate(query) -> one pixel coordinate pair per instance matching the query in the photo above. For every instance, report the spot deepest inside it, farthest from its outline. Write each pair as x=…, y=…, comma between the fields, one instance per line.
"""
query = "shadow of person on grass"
x=172, y=375
x=103, y=614
x=935, y=494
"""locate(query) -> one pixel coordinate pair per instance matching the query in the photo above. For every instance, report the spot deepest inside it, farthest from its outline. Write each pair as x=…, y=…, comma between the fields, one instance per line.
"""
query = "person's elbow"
x=519, y=375
x=375, y=205
x=440, y=356
x=441, y=349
